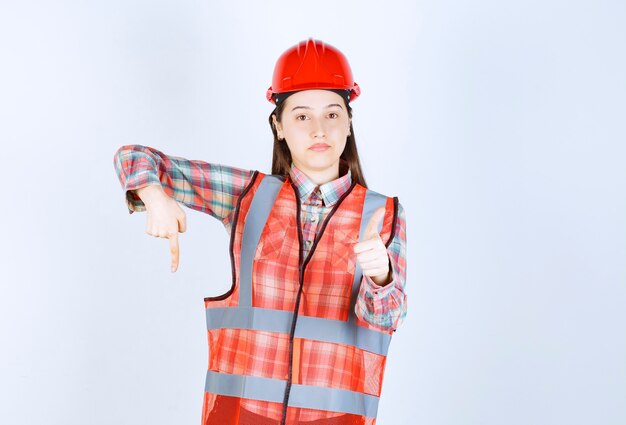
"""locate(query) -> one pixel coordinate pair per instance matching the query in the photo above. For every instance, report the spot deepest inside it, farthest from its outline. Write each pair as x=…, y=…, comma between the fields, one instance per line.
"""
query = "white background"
x=498, y=124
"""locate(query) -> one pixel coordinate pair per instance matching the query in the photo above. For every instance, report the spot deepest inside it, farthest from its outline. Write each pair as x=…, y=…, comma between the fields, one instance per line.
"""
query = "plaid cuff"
x=137, y=181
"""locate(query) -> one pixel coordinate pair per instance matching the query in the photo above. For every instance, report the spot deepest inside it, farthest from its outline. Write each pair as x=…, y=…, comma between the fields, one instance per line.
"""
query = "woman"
x=318, y=260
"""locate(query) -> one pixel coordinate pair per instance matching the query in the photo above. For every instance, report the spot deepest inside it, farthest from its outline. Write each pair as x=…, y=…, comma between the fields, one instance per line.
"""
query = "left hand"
x=371, y=253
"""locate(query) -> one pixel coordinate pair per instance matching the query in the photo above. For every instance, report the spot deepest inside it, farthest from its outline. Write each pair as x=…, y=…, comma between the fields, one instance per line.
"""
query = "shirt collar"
x=330, y=191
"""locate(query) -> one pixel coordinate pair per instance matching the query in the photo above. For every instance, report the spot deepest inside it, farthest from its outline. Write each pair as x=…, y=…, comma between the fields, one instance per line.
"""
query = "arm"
x=210, y=188
x=385, y=305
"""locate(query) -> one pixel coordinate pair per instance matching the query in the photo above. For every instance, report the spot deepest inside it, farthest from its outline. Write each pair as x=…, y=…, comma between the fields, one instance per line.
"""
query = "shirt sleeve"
x=385, y=306
x=207, y=187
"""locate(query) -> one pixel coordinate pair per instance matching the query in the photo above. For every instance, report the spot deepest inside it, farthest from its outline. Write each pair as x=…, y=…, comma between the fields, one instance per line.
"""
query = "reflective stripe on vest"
x=306, y=396
x=245, y=316
x=327, y=330
x=259, y=319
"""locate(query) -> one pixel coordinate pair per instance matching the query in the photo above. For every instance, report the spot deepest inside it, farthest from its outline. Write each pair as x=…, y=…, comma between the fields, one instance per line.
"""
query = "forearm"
x=137, y=168
x=207, y=187
x=381, y=300
x=382, y=305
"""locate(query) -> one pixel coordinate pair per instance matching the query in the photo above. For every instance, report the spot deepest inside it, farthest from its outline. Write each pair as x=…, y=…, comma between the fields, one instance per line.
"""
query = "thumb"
x=182, y=224
x=371, y=231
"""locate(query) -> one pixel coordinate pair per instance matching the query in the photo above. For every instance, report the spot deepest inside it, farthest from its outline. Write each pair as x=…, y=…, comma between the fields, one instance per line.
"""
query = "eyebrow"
x=308, y=107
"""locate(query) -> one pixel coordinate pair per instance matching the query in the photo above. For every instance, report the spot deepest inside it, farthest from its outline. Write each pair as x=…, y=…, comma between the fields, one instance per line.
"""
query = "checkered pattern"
x=214, y=189
x=276, y=283
x=246, y=352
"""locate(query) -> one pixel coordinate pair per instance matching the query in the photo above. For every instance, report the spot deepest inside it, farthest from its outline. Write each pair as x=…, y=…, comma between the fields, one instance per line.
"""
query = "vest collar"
x=330, y=191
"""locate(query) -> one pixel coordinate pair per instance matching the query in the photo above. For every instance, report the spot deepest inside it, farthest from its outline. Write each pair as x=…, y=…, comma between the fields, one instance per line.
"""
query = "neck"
x=321, y=176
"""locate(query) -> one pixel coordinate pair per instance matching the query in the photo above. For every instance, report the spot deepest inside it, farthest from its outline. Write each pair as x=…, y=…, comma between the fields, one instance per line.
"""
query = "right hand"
x=165, y=217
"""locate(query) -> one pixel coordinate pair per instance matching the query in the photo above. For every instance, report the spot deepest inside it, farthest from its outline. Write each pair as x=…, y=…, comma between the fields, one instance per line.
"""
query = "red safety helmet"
x=312, y=64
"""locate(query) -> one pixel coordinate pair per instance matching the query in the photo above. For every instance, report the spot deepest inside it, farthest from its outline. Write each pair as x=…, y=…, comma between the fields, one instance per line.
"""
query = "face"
x=315, y=126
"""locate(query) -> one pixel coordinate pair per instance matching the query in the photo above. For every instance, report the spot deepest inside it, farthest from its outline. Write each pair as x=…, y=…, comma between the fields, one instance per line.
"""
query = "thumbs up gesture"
x=371, y=253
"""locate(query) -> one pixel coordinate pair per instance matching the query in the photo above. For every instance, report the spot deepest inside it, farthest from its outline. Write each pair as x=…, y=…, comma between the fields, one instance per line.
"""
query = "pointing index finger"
x=174, y=251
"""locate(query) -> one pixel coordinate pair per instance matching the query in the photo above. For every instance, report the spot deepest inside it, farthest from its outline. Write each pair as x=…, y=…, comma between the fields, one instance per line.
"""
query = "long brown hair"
x=281, y=156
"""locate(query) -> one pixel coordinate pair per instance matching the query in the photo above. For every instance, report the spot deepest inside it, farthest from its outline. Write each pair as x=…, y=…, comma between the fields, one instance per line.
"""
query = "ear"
x=277, y=125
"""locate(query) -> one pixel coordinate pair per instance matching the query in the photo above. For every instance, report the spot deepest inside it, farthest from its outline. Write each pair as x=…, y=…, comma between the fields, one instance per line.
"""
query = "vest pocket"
x=271, y=244
x=343, y=256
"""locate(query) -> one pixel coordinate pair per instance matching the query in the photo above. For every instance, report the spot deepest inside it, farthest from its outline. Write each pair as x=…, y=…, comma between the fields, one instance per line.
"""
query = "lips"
x=319, y=147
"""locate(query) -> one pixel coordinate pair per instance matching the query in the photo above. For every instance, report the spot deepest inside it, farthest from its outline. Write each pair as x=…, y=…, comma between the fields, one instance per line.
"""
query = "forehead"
x=314, y=99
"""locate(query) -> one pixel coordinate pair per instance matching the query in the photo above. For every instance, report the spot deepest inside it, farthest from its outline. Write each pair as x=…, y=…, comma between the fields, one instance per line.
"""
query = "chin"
x=322, y=164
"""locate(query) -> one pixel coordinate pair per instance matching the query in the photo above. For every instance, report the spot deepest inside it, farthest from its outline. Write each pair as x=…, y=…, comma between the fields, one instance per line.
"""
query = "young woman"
x=318, y=259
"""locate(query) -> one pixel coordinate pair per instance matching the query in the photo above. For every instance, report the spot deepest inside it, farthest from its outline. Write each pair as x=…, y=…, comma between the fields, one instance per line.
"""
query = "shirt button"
x=313, y=219
x=308, y=243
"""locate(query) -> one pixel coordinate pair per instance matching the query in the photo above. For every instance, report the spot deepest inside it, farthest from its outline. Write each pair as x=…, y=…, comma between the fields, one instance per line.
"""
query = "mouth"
x=319, y=147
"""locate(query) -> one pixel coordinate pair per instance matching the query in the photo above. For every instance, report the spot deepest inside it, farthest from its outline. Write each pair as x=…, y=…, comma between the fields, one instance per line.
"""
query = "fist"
x=371, y=253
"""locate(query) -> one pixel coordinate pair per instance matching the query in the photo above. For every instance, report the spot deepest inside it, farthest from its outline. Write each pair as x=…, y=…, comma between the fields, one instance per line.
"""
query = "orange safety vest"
x=284, y=341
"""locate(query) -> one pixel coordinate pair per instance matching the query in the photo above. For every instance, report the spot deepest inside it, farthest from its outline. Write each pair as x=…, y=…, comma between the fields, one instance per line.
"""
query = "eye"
x=298, y=117
x=335, y=114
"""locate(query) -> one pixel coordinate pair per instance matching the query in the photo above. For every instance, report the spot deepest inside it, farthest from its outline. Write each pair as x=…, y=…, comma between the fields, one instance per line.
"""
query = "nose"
x=317, y=129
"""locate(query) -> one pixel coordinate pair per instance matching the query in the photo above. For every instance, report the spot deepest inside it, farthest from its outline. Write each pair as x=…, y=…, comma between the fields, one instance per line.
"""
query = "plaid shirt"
x=214, y=189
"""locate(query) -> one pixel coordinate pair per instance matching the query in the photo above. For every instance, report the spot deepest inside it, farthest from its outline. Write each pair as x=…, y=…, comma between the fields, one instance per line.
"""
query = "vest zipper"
x=301, y=267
